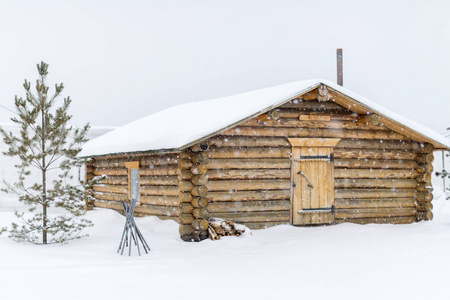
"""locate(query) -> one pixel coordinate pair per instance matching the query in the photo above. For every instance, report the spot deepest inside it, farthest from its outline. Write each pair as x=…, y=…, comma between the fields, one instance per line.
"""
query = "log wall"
x=378, y=172
x=243, y=174
x=159, y=193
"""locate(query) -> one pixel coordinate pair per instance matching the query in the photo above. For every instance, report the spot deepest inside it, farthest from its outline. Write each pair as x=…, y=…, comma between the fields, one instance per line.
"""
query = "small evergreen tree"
x=46, y=144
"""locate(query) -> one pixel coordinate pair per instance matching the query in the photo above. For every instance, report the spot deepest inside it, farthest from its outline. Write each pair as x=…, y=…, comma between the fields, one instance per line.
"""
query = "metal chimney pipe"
x=340, y=74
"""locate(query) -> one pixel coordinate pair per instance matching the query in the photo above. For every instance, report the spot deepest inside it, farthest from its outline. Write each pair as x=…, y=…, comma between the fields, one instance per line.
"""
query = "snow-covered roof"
x=183, y=125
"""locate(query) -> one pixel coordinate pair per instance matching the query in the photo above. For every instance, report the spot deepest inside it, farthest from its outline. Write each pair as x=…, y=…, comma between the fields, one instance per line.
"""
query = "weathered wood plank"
x=269, y=163
x=373, y=203
x=374, y=193
x=249, y=195
x=143, y=209
x=319, y=133
x=278, y=216
x=248, y=206
x=375, y=164
x=375, y=212
x=260, y=152
x=374, y=154
x=249, y=174
x=296, y=123
x=144, y=180
x=376, y=183
x=247, y=185
x=385, y=220
x=374, y=173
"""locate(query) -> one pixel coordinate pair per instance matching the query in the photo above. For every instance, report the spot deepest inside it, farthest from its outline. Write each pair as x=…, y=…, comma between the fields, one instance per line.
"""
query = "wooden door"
x=312, y=196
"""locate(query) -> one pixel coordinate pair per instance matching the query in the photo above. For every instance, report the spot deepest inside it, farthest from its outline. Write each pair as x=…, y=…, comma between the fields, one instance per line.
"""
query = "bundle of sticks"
x=223, y=228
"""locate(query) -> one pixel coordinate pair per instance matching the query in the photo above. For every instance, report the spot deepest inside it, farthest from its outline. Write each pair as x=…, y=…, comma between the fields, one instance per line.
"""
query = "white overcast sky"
x=122, y=60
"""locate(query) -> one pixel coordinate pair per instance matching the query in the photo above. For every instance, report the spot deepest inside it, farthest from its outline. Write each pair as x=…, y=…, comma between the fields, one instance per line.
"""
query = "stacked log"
x=89, y=191
x=424, y=169
x=158, y=183
x=224, y=228
x=193, y=190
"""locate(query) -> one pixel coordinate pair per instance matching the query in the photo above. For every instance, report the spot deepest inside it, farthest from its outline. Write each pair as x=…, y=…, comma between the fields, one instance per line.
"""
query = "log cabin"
x=304, y=153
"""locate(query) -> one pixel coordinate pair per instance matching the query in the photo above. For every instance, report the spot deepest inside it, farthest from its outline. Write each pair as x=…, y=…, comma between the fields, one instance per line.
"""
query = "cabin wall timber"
x=159, y=193
x=380, y=175
x=243, y=174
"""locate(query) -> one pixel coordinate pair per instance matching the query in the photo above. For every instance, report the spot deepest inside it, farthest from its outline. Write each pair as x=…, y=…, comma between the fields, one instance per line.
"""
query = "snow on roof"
x=179, y=126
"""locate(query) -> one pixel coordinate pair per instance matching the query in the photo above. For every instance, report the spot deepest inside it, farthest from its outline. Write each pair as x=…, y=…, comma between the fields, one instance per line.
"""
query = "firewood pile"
x=216, y=229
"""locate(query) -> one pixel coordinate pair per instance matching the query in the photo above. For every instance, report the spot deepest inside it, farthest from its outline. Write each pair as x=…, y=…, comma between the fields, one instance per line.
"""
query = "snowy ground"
x=342, y=262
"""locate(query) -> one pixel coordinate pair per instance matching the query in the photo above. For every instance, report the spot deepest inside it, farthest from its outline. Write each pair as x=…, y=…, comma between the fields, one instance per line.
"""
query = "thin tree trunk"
x=44, y=182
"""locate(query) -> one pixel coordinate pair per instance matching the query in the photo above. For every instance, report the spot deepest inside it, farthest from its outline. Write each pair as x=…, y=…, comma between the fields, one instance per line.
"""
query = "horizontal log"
x=425, y=158
x=314, y=105
x=143, y=161
x=199, y=169
x=249, y=141
x=374, y=173
x=200, y=213
x=375, y=164
x=248, y=206
x=200, y=157
x=186, y=219
x=423, y=196
x=372, y=203
x=377, y=144
x=383, y=220
x=186, y=229
x=185, y=164
x=144, y=180
x=247, y=185
x=424, y=216
x=261, y=152
x=185, y=197
x=334, y=115
x=424, y=206
x=270, y=163
x=200, y=224
x=158, y=170
x=249, y=174
x=375, y=183
x=296, y=123
x=318, y=133
x=199, y=191
x=374, y=154
x=375, y=212
x=203, y=146
x=424, y=187
x=425, y=148
x=144, y=209
x=199, y=179
x=277, y=216
x=184, y=175
x=186, y=208
x=118, y=189
x=423, y=177
x=159, y=190
x=185, y=186
x=110, y=196
x=160, y=200
x=367, y=119
x=199, y=202
x=424, y=168
x=374, y=193
x=249, y=195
